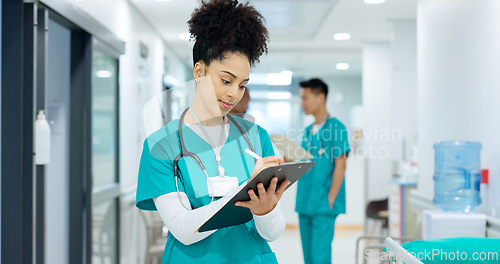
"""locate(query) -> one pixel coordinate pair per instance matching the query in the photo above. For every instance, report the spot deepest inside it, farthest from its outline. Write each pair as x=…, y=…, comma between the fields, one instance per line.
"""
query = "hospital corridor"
x=249, y=131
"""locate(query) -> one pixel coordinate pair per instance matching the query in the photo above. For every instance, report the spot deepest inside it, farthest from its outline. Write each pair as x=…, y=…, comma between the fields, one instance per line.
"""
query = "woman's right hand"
x=265, y=162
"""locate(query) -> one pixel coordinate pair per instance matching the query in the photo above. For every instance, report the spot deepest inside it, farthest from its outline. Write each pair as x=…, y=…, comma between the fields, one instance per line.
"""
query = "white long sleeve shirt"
x=184, y=223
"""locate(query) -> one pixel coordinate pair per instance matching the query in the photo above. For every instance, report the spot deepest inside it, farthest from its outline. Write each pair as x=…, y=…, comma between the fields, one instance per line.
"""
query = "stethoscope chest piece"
x=321, y=151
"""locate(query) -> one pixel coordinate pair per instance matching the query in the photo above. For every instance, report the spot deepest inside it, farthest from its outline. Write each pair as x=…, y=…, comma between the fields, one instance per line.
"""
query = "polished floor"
x=289, y=251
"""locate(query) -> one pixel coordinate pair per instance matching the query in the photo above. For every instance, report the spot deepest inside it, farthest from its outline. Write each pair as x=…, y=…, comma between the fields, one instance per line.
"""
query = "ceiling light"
x=279, y=95
x=103, y=74
x=282, y=78
x=374, y=2
x=341, y=36
x=185, y=36
x=162, y=0
x=257, y=79
x=342, y=66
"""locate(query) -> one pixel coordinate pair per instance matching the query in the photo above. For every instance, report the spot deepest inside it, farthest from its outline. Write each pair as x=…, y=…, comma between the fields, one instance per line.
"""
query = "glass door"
x=57, y=172
x=105, y=179
x=56, y=68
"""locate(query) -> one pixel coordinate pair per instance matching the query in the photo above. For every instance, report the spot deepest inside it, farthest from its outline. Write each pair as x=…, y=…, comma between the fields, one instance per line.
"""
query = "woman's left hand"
x=266, y=199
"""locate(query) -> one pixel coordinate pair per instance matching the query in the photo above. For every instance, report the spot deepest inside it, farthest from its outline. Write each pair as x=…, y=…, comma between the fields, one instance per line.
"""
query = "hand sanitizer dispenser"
x=42, y=139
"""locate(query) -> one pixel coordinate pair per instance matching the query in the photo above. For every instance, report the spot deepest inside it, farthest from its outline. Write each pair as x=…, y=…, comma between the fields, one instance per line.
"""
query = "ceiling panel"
x=289, y=20
x=300, y=30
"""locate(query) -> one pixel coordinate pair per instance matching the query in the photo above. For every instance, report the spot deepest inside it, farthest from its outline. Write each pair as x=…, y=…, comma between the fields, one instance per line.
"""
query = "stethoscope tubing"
x=186, y=153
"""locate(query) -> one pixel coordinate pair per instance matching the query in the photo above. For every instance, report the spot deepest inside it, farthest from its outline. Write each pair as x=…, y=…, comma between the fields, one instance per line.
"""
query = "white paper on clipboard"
x=289, y=148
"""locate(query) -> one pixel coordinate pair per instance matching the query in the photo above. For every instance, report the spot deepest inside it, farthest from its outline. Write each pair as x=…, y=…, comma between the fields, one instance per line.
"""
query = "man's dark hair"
x=316, y=85
x=222, y=26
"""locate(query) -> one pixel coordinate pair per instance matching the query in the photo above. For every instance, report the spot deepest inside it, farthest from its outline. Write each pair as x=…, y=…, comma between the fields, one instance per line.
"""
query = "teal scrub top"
x=235, y=244
x=314, y=186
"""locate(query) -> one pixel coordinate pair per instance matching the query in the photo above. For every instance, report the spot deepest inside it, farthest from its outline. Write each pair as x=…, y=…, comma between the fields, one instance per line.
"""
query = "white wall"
x=404, y=86
x=459, y=77
x=377, y=103
x=355, y=196
x=350, y=87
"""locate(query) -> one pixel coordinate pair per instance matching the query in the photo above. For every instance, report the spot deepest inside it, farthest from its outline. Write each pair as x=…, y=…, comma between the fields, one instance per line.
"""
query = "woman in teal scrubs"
x=186, y=189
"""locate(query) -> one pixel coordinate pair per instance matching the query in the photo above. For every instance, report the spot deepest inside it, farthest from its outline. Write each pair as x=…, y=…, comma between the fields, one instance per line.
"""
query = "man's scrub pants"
x=316, y=234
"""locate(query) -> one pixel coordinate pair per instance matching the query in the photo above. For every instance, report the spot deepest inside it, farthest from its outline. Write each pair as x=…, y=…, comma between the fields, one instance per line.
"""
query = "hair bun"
x=219, y=26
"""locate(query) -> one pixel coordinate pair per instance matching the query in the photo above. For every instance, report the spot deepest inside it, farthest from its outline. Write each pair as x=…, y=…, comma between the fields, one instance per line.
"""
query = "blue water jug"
x=457, y=175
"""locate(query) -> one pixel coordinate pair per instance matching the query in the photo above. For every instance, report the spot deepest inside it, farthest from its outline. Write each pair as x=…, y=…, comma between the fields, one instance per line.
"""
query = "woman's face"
x=223, y=83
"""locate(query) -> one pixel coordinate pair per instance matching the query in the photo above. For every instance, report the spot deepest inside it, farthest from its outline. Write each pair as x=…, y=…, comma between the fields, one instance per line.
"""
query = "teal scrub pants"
x=316, y=234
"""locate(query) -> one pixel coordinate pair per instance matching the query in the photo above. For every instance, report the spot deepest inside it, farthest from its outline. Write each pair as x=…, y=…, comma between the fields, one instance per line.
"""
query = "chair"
x=378, y=212
x=154, y=236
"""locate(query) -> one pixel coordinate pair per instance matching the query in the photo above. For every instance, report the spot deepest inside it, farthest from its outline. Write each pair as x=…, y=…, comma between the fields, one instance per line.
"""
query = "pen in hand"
x=263, y=163
x=251, y=153
x=257, y=157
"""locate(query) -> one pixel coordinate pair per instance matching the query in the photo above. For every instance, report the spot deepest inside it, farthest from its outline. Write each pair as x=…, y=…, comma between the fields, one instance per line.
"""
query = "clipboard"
x=231, y=214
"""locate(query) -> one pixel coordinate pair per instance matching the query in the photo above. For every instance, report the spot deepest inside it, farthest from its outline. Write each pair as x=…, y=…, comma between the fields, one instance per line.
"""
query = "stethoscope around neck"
x=186, y=153
x=321, y=151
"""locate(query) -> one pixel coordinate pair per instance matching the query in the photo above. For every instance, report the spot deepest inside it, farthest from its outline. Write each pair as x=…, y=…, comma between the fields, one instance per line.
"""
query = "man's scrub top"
x=329, y=143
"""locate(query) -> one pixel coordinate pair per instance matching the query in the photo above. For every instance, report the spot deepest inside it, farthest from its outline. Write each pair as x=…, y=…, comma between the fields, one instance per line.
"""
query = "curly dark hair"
x=221, y=26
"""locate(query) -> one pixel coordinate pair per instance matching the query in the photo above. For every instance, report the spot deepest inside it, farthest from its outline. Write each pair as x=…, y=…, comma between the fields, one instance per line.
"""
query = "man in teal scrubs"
x=321, y=192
